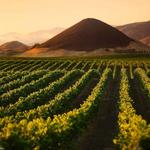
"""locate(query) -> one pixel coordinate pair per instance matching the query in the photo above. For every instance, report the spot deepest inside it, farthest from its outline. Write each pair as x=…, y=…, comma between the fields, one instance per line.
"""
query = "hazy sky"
x=31, y=15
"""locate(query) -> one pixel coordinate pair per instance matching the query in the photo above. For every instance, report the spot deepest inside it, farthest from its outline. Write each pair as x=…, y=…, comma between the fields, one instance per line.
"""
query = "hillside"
x=146, y=40
x=13, y=48
x=87, y=35
x=139, y=31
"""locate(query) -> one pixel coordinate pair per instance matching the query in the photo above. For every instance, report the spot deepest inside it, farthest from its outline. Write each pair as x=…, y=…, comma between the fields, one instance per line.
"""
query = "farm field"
x=75, y=103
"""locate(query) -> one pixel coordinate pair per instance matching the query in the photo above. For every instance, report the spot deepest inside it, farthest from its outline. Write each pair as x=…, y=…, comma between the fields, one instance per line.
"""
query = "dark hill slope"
x=87, y=35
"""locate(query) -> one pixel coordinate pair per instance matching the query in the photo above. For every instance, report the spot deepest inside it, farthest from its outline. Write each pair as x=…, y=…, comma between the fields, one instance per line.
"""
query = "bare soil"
x=103, y=128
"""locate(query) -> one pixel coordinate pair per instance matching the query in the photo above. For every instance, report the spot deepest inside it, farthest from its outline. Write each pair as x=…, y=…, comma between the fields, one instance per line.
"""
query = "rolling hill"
x=13, y=48
x=88, y=34
x=139, y=31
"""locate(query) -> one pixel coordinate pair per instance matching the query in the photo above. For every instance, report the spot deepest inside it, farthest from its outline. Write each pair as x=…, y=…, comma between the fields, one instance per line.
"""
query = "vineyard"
x=75, y=103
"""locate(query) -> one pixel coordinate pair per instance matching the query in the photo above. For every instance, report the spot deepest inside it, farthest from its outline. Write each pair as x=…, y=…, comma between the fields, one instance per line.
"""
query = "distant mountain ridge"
x=32, y=37
x=139, y=31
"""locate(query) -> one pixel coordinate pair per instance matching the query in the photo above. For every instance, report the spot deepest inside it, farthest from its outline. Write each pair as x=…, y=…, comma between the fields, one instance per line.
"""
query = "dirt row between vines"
x=103, y=127
x=141, y=102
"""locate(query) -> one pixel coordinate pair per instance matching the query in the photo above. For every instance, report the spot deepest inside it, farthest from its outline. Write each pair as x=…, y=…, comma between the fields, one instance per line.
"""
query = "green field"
x=75, y=103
